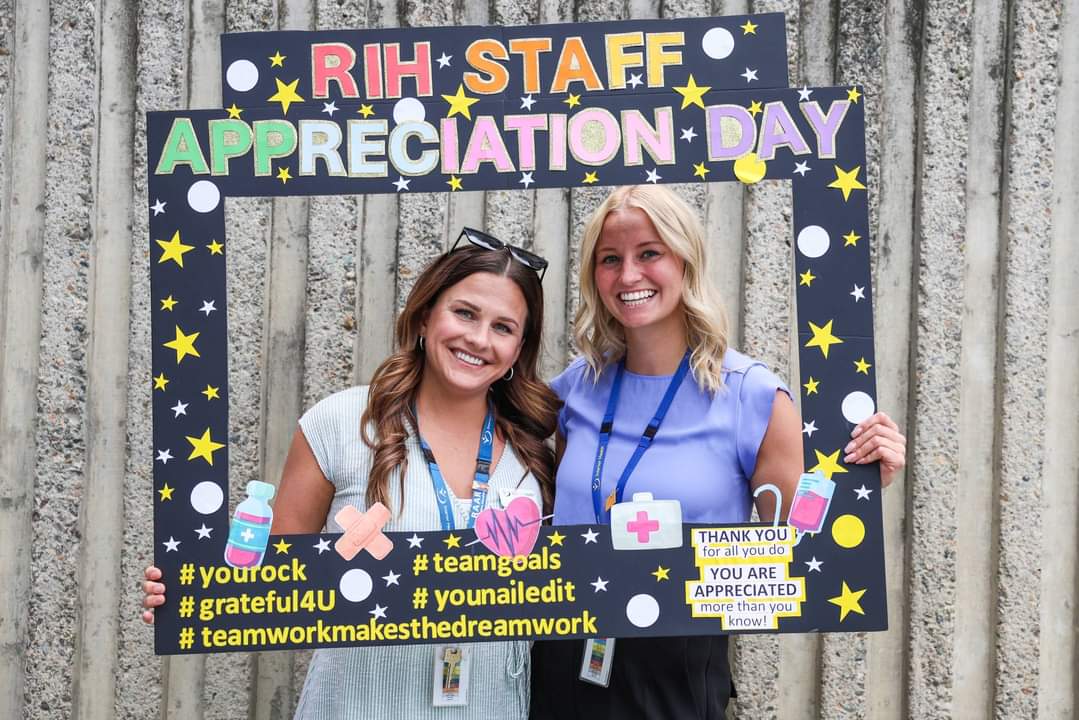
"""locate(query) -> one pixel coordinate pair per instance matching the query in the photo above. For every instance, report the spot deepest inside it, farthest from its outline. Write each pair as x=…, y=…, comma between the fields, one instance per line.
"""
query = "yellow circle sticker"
x=848, y=531
x=749, y=168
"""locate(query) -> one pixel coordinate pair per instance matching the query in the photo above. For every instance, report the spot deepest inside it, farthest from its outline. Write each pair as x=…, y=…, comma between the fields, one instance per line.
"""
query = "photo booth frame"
x=486, y=108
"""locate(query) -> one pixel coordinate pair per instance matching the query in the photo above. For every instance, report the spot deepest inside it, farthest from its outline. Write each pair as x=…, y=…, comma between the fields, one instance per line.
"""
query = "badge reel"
x=452, y=667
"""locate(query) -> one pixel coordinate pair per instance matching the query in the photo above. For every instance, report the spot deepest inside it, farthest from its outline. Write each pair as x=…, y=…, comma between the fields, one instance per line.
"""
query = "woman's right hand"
x=154, y=591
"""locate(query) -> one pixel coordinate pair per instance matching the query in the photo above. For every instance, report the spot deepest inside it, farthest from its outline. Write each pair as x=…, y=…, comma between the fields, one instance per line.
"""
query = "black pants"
x=680, y=678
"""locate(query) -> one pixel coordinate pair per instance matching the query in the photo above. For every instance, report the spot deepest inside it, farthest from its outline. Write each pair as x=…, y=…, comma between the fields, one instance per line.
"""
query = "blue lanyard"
x=479, y=484
x=645, y=442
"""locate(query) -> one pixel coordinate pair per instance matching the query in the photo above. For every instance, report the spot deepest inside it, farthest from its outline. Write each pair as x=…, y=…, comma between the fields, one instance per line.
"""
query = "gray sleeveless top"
x=370, y=683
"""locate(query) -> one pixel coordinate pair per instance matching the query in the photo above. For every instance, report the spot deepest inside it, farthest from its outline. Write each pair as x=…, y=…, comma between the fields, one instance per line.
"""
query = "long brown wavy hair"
x=526, y=409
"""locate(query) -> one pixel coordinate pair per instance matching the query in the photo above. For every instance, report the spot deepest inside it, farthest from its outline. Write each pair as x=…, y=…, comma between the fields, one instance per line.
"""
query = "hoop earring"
x=421, y=344
x=508, y=376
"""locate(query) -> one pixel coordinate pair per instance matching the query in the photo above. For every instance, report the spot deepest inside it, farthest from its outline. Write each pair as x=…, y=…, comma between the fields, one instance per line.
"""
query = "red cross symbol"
x=642, y=526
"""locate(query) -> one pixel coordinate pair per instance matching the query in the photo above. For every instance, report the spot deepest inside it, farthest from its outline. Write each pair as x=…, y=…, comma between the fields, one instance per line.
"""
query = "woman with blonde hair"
x=658, y=402
x=454, y=421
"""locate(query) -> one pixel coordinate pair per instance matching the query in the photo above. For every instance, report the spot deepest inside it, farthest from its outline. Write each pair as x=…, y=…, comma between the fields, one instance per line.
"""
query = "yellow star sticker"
x=452, y=541
x=573, y=100
x=460, y=103
x=366, y=110
x=862, y=366
x=846, y=181
x=848, y=602
x=754, y=108
x=699, y=170
x=203, y=447
x=281, y=547
x=853, y=95
x=807, y=278
x=168, y=303
x=828, y=464
x=556, y=538
x=234, y=112
x=174, y=249
x=211, y=392
x=277, y=59
x=749, y=28
x=283, y=175
x=590, y=177
x=851, y=239
x=811, y=386
x=184, y=345
x=661, y=573
x=215, y=247
x=165, y=492
x=160, y=382
x=286, y=94
x=454, y=182
x=692, y=93
x=823, y=338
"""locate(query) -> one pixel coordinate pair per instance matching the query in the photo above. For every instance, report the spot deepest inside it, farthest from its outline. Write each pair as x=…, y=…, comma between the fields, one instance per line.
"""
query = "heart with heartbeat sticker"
x=512, y=531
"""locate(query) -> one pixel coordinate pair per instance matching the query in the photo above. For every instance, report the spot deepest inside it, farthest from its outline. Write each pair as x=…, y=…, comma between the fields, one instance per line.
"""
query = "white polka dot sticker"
x=857, y=406
x=642, y=610
x=206, y=497
x=408, y=110
x=718, y=43
x=356, y=585
x=242, y=75
x=203, y=196
x=813, y=241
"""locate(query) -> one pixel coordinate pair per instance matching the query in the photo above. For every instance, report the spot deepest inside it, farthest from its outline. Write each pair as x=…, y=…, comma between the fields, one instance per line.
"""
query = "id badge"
x=596, y=661
x=451, y=673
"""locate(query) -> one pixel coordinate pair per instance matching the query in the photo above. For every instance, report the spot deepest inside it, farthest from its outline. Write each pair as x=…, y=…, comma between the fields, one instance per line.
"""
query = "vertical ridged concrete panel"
x=228, y=681
x=160, y=82
x=767, y=308
x=973, y=654
x=376, y=248
x=23, y=242
x=893, y=107
x=423, y=218
x=1027, y=232
x=7, y=42
x=933, y=476
x=99, y=571
x=60, y=432
x=282, y=376
x=1058, y=692
x=553, y=239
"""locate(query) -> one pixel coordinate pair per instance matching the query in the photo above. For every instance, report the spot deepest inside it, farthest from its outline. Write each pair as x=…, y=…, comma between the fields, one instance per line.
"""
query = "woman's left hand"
x=878, y=438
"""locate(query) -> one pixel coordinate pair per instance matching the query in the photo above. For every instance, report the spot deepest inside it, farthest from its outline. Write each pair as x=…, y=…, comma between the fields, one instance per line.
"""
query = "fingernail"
x=850, y=446
x=847, y=458
x=857, y=431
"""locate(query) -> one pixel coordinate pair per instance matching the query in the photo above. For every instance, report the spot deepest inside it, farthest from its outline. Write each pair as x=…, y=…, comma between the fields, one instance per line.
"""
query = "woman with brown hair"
x=467, y=343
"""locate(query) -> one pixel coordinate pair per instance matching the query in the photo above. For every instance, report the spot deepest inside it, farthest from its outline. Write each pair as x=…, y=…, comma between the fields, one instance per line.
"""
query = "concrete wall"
x=975, y=207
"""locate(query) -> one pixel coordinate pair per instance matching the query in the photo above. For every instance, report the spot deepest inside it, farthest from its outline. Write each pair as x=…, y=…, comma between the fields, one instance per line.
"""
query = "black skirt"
x=680, y=678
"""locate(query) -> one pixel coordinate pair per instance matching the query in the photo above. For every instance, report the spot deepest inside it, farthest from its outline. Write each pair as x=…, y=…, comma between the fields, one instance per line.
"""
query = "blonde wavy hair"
x=601, y=338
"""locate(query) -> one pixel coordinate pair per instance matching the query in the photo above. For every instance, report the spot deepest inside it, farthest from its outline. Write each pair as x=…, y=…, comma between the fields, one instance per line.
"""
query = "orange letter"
x=479, y=55
x=530, y=48
x=574, y=65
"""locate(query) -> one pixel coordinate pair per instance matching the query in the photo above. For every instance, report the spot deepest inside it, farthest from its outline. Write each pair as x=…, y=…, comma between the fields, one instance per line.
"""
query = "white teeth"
x=637, y=297
x=470, y=359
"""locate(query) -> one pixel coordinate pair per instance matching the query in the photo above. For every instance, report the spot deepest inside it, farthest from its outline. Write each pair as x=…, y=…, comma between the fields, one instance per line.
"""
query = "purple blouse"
x=703, y=455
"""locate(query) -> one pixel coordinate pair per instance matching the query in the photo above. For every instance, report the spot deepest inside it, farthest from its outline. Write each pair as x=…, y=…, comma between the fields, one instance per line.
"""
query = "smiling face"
x=473, y=333
x=638, y=277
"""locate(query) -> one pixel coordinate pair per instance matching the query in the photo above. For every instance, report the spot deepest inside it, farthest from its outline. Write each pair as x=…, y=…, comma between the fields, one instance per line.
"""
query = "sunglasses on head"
x=481, y=239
